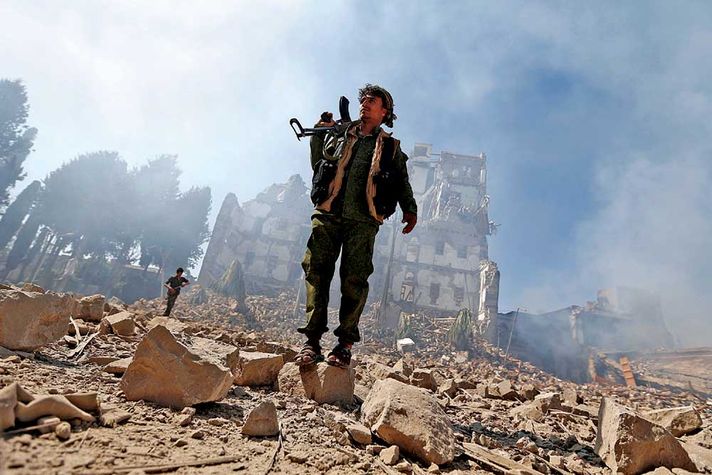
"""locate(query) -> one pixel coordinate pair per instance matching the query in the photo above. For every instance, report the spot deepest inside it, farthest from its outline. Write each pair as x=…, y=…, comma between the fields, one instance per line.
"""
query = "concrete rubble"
x=629, y=444
x=436, y=409
x=411, y=419
x=30, y=320
x=176, y=374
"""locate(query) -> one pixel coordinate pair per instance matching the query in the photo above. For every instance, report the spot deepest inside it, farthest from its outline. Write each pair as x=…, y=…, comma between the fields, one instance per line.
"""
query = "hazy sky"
x=595, y=117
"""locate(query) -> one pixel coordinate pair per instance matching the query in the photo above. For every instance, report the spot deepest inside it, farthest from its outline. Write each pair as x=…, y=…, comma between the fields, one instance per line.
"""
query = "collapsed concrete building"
x=571, y=341
x=439, y=267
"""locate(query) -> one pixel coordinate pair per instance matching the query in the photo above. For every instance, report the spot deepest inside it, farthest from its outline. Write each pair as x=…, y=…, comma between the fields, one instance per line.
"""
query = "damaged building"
x=439, y=267
x=266, y=235
x=571, y=341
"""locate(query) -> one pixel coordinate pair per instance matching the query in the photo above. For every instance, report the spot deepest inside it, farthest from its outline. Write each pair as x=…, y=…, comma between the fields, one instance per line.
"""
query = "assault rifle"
x=340, y=126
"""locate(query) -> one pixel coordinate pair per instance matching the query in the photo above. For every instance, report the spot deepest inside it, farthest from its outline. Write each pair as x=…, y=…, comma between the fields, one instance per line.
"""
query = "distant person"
x=174, y=284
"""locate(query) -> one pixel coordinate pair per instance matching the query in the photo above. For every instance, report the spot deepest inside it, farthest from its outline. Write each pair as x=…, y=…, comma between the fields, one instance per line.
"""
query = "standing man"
x=360, y=176
x=174, y=284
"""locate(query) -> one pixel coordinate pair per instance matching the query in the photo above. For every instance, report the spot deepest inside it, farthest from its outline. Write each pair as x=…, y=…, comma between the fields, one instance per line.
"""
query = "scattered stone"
x=405, y=345
x=529, y=391
x=504, y=390
x=197, y=434
x=403, y=367
x=172, y=374
x=112, y=416
x=547, y=401
x=423, y=378
x=449, y=387
x=91, y=308
x=288, y=354
x=390, y=455
x=121, y=323
x=678, y=420
x=218, y=421
x=31, y=287
x=572, y=397
x=359, y=433
x=262, y=421
x=63, y=431
x=186, y=416
x=381, y=371
x=629, y=444
x=529, y=410
x=118, y=367
x=49, y=423
x=181, y=443
x=30, y=320
x=412, y=419
x=322, y=383
x=257, y=368
x=298, y=457
x=174, y=325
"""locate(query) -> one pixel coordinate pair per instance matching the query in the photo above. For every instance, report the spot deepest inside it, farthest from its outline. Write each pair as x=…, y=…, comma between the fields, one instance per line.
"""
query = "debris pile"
x=132, y=390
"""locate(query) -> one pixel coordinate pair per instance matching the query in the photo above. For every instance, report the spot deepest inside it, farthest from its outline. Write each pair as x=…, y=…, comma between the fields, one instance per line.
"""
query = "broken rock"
x=410, y=418
x=262, y=421
x=174, y=374
x=121, y=323
x=91, y=308
x=629, y=444
x=678, y=420
x=322, y=383
x=423, y=378
x=29, y=320
x=118, y=366
x=257, y=369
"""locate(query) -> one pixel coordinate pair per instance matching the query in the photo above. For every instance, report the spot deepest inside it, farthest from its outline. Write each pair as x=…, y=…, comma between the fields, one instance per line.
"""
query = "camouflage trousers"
x=354, y=240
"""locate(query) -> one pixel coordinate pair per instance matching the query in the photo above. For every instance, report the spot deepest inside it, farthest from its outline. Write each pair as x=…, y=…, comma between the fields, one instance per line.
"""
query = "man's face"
x=179, y=274
x=372, y=109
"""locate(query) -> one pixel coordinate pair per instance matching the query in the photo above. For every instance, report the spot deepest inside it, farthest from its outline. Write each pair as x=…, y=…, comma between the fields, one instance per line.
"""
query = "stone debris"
x=63, y=431
x=120, y=323
x=411, y=419
x=678, y=420
x=262, y=421
x=497, y=413
x=258, y=369
x=322, y=383
x=168, y=372
x=91, y=308
x=390, y=455
x=118, y=367
x=629, y=444
x=30, y=320
x=423, y=378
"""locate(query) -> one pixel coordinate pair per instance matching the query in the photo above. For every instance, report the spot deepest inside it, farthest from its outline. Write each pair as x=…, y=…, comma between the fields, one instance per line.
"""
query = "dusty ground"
x=310, y=441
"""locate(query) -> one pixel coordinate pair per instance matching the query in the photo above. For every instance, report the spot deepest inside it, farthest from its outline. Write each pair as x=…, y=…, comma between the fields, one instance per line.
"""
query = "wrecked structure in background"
x=572, y=342
x=439, y=267
x=266, y=235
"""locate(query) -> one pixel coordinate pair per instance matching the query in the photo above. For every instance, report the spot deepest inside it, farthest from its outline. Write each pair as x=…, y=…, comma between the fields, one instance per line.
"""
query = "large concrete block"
x=321, y=383
x=629, y=444
x=179, y=373
x=410, y=418
x=30, y=320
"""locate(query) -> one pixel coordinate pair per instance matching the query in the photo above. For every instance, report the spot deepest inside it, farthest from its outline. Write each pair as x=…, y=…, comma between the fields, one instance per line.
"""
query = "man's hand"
x=411, y=219
x=326, y=120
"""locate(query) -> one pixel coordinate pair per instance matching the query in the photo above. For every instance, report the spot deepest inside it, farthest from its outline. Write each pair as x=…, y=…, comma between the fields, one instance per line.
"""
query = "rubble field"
x=121, y=389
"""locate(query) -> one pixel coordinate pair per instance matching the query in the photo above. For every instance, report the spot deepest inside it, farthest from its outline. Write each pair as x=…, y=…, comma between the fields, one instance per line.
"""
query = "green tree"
x=157, y=189
x=19, y=251
x=16, y=138
x=17, y=211
x=186, y=228
x=92, y=197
